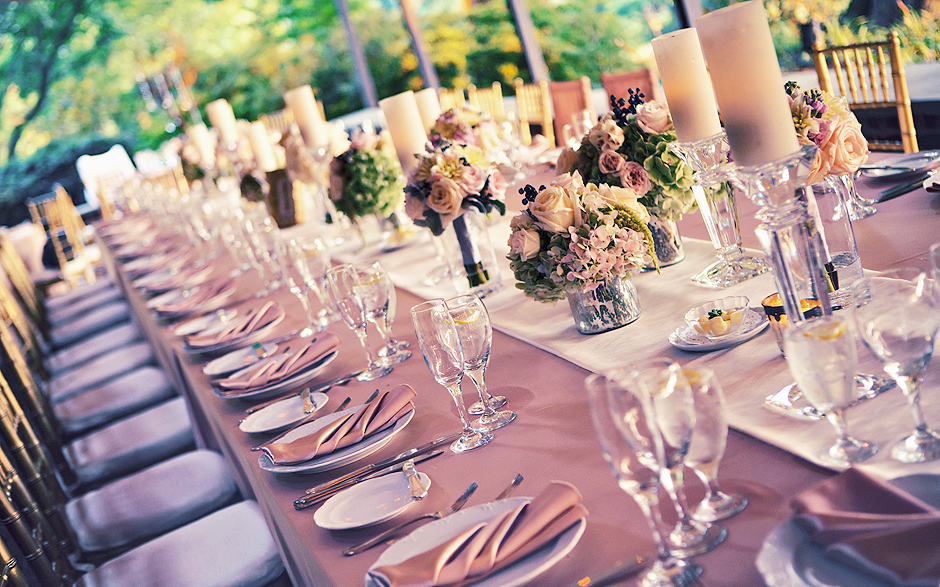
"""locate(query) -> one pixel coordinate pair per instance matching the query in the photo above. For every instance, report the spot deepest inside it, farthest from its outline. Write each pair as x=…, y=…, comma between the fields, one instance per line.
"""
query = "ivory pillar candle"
x=404, y=124
x=428, y=106
x=739, y=50
x=687, y=86
x=223, y=119
x=201, y=139
x=261, y=147
x=303, y=104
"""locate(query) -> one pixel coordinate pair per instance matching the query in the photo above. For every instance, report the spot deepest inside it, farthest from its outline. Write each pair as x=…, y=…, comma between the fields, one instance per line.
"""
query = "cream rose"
x=847, y=147
x=653, y=117
x=445, y=199
x=569, y=181
x=606, y=134
x=525, y=243
x=567, y=161
x=553, y=208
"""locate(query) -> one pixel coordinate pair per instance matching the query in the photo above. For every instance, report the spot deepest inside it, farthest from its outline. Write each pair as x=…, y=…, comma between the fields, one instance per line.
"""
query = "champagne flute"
x=296, y=275
x=822, y=357
x=376, y=290
x=476, y=340
x=898, y=314
x=709, y=438
x=633, y=448
x=440, y=346
x=342, y=283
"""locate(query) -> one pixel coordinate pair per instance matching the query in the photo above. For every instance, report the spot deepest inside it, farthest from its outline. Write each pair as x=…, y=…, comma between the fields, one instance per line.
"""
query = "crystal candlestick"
x=714, y=193
x=788, y=233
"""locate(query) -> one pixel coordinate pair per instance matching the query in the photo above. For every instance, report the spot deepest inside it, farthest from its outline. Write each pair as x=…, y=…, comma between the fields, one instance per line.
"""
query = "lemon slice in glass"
x=827, y=330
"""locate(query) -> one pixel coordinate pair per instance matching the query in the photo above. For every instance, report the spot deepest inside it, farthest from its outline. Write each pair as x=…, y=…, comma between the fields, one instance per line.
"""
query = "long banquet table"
x=539, y=362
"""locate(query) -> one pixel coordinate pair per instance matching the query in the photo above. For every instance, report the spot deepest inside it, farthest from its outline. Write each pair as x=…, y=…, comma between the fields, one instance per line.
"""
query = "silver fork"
x=510, y=488
x=352, y=550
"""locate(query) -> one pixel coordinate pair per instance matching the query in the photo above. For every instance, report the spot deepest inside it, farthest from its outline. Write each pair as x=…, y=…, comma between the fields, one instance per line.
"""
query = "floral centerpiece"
x=629, y=148
x=468, y=126
x=367, y=177
x=582, y=241
x=451, y=183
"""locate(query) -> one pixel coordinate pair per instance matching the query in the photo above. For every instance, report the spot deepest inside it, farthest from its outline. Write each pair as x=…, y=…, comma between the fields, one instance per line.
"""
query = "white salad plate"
x=238, y=359
x=753, y=322
x=280, y=415
x=168, y=279
x=788, y=558
x=216, y=302
x=298, y=379
x=430, y=535
x=369, y=502
x=337, y=458
x=204, y=322
x=246, y=339
x=917, y=162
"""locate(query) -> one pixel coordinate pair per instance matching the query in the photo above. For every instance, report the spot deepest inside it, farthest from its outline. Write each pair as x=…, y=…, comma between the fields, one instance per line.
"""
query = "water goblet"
x=633, y=448
x=897, y=314
x=375, y=288
x=476, y=340
x=317, y=258
x=440, y=346
x=341, y=283
x=709, y=437
x=296, y=274
x=822, y=357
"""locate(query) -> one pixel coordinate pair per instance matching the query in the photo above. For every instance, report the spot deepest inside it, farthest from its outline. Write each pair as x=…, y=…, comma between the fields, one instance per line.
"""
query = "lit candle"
x=201, y=139
x=739, y=50
x=261, y=147
x=223, y=119
x=404, y=124
x=428, y=106
x=687, y=85
x=303, y=104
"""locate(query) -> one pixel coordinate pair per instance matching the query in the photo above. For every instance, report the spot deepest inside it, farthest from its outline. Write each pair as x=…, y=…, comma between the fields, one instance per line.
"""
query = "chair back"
x=569, y=100
x=56, y=214
x=534, y=105
x=870, y=76
x=91, y=167
x=489, y=100
x=20, y=279
x=279, y=121
x=451, y=98
x=619, y=84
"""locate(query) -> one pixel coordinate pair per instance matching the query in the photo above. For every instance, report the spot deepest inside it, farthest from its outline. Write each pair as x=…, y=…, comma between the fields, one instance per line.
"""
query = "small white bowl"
x=719, y=318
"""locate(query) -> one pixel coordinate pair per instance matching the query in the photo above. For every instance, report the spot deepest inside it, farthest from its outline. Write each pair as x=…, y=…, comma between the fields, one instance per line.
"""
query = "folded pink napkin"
x=368, y=419
x=191, y=277
x=199, y=297
x=282, y=366
x=487, y=547
x=239, y=327
x=870, y=524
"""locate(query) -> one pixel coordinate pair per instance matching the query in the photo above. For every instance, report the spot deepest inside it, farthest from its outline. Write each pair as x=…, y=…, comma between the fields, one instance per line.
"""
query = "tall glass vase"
x=470, y=255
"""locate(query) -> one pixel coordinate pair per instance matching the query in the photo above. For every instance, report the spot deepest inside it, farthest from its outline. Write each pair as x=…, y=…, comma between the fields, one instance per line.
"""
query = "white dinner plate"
x=439, y=531
x=789, y=559
x=369, y=502
x=238, y=359
x=753, y=322
x=918, y=162
x=337, y=458
x=280, y=415
x=216, y=302
x=250, y=338
x=298, y=379
x=168, y=279
x=204, y=322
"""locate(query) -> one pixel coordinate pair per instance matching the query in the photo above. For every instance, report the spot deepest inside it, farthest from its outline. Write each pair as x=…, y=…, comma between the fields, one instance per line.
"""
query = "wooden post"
x=363, y=75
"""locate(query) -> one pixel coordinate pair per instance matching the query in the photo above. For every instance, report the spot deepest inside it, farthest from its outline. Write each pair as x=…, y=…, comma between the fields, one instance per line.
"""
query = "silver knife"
x=309, y=500
x=400, y=458
x=900, y=190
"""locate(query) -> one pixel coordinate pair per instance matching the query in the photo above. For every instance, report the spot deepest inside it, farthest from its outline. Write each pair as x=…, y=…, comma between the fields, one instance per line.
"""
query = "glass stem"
x=478, y=378
x=673, y=479
x=648, y=500
x=308, y=311
x=363, y=337
x=381, y=324
x=457, y=394
x=837, y=419
x=910, y=385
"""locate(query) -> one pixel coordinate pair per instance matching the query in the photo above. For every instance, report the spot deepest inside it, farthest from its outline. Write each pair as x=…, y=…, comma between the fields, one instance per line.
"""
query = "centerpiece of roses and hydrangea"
x=468, y=126
x=576, y=236
x=367, y=177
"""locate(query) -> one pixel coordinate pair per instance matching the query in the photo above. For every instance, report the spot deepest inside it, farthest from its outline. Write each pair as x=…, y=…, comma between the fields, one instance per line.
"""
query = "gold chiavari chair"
x=571, y=98
x=170, y=180
x=533, y=102
x=279, y=121
x=30, y=337
x=871, y=76
x=21, y=281
x=619, y=84
x=64, y=227
x=489, y=100
x=11, y=573
x=451, y=98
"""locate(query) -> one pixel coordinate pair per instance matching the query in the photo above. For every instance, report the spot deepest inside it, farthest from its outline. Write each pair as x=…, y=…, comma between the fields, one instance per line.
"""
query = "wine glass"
x=633, y=448
x=341, y=283
x=476, y=339
x=296, y=274
x=317, y=258
x=897, y=314
x=709, y=437
x=673, y=408
x=376, y=290
x=260, y=234
x=440, y=346
x=822, y=357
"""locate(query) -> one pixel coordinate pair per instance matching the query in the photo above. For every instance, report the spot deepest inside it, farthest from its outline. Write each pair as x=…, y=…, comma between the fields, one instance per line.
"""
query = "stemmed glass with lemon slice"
x=822, y=356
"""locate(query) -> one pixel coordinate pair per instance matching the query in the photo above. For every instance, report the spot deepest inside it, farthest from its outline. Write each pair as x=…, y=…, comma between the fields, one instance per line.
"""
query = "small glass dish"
x=718, y=318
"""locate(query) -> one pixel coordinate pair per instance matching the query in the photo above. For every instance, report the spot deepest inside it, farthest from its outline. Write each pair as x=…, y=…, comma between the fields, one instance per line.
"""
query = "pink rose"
x=364, y=140
x=445, y=199
x=497, y=186
x=653, y=117
x=847, y=147
x=471, y=179
x=611, y=162
x=634, y=177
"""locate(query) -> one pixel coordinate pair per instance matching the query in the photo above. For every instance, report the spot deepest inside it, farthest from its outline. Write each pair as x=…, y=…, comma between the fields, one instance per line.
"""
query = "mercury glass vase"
x=603, y=306
x=666, y=241
x=470, y=255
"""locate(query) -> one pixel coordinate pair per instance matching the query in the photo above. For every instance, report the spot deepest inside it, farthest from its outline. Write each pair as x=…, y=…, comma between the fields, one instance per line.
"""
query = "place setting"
x=185, y=301
x=254, y=325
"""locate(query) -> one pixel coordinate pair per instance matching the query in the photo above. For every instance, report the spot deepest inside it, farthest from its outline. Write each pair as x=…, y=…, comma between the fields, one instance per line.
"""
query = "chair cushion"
x=118, y=398
x=132, y=443
x=66, y=314
x=72, y=296
x=98, y=371
x=151, y=502
x=85, y=350
x=90, y=323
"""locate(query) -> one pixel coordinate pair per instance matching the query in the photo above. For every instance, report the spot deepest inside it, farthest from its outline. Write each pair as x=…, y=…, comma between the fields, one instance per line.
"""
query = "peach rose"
x=525, y=243
x=820, y=166
x=847, y=147
x=553, y=208
x=653, y=117
x=445, y=199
